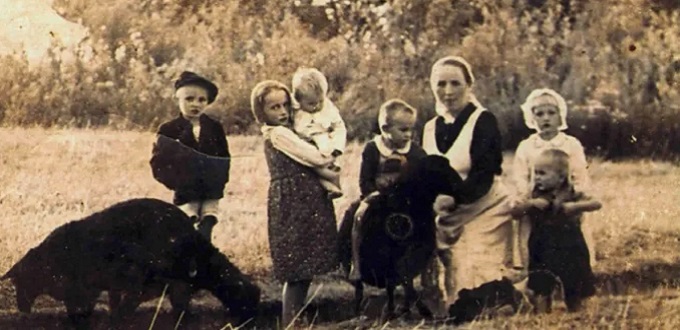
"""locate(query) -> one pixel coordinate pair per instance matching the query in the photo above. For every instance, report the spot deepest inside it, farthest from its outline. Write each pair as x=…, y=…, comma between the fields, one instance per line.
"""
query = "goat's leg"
x=358, y=296
x=390, y=300
x=411, y=297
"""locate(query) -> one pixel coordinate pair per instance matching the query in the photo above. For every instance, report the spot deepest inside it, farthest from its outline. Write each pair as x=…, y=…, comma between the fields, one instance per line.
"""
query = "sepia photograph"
x=339, y=164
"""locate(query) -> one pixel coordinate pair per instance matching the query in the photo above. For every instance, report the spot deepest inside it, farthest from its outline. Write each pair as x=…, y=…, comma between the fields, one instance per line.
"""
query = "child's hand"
x=573, y=208
x=371, y=197
x=334, y=167
x=444, y=204
x=568, y=208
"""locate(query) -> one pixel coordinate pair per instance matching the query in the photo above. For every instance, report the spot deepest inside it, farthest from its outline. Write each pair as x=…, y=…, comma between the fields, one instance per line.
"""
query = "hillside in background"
x=617, y=62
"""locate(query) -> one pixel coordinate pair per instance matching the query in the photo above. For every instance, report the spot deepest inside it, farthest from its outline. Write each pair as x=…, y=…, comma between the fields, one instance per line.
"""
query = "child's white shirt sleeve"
x=314, y=127
x=579, y=166
x=521, y=170
x=338, y=130
x=303, y=124
x=529, y=149
x=293, y=146
x=326, y=128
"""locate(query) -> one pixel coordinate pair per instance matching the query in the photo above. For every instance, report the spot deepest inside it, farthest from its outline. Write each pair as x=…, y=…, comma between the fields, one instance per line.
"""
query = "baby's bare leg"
x=327, y=174
x=330, y=180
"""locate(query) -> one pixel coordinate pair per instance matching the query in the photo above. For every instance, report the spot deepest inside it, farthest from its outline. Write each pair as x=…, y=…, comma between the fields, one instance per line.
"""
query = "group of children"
x=303, y=125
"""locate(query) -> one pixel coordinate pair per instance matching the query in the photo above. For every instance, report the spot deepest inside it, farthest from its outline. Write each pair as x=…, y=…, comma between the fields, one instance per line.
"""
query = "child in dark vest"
x=557, y=248
x=384, y=161
x=197, y=167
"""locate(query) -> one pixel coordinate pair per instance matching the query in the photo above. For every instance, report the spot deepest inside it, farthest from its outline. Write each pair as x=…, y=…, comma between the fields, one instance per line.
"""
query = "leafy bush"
x=622, y=54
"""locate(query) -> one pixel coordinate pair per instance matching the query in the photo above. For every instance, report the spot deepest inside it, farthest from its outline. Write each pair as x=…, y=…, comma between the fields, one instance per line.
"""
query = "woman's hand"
x=444, y=205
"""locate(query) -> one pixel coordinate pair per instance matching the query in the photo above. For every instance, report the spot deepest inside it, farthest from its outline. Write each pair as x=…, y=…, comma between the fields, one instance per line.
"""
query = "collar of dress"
x=559, y=140
x=449, y=118
x=387, y=151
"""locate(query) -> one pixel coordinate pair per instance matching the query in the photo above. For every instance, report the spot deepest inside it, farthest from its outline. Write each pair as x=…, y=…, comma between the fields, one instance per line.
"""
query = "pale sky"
x=31, y=25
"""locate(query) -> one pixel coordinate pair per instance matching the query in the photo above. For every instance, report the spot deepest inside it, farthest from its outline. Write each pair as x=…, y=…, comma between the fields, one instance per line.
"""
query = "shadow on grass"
x=643, y=277
x=203, y=317
x=335, y=312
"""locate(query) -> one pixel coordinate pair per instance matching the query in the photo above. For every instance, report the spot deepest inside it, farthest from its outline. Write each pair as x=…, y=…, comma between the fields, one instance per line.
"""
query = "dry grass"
x=49, y=177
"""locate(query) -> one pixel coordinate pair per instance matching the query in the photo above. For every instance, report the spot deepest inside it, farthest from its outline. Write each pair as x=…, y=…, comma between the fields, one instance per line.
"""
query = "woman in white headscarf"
x=473, y=227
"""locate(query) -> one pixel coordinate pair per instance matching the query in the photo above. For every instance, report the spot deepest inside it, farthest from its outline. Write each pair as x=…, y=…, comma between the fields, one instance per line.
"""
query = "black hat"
x=190, y=78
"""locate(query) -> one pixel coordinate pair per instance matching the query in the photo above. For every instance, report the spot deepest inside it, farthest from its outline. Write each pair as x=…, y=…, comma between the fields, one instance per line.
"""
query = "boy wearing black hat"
x=196, y=168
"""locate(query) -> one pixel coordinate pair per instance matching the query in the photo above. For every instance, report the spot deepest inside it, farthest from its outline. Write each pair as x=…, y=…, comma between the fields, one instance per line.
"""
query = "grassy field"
x=49, y=177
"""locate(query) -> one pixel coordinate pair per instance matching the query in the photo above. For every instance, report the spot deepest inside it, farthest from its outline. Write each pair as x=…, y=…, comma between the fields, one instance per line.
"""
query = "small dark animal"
x=132, y=250
x=472, y=302
x=398, y=232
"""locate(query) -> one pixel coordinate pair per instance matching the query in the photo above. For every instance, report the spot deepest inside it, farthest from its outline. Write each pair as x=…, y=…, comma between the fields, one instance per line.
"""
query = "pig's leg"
x=80, y=305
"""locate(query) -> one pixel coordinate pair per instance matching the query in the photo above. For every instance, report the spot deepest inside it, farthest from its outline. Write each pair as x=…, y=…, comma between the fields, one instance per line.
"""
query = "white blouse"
x=288, y=142
x=529, y=149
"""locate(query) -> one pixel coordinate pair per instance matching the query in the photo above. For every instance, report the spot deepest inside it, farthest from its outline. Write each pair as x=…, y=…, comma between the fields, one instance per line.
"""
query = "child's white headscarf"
x=533, y=100
x=441, y=109
x=298, y=79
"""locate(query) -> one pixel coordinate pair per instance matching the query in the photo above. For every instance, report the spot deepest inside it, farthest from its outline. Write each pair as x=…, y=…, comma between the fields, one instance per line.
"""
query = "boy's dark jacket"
x=196, y=169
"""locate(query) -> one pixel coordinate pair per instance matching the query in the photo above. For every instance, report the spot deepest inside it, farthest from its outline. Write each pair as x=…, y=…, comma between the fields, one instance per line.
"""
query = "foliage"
x=615, y=61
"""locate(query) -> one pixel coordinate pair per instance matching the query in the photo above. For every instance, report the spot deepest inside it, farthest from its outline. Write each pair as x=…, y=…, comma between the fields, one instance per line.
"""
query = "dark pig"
x=132, y=250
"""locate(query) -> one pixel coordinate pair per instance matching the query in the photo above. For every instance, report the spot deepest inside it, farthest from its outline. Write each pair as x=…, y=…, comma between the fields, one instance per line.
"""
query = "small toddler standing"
x=196, y=168
x=384, y=161
x=557, y=248
x=317, y=120
x=546, y=112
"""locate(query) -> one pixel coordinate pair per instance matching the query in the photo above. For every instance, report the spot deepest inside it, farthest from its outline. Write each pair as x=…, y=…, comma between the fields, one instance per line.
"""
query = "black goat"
x=398, y=232
x=132, y=250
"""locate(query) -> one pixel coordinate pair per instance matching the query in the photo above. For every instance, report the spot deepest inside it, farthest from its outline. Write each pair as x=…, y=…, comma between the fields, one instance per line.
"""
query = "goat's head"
x=432, y=176
x=407, y=207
